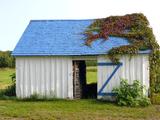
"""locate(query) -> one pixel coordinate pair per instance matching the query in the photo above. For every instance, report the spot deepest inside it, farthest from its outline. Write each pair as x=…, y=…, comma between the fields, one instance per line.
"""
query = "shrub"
x=6, y=59
x=131, y=95
x=10, y=90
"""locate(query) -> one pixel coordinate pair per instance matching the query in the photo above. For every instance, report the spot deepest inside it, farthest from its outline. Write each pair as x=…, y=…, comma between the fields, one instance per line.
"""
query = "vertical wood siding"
x=47, y=76
x=133, y=68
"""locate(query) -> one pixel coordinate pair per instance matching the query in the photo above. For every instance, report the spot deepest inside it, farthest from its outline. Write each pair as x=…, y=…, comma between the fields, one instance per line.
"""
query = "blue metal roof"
x=62, y=37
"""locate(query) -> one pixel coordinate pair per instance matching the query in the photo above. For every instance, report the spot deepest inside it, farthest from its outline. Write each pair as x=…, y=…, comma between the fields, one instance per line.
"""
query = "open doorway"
x=91, y=78
x=84, y=79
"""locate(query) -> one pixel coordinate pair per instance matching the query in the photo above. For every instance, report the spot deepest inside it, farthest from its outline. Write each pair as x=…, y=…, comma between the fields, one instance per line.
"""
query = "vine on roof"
x=134, y=27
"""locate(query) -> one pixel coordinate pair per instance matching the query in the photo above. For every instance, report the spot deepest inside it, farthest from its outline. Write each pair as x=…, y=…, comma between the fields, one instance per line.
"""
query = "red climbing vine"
x=134, y=27
x=117, y=25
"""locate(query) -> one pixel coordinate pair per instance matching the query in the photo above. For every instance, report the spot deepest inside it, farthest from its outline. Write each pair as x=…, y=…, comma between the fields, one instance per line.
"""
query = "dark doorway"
x=84, y=79
x=91, y=78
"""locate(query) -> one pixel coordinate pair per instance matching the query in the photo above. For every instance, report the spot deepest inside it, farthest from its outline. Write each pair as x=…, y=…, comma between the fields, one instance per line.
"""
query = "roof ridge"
x=50, y=20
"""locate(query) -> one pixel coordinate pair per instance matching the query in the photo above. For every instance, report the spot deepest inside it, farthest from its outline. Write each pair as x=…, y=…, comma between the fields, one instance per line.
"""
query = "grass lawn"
x=74, y=110
x=91, y=74
x=5, y=78
x=85, y=109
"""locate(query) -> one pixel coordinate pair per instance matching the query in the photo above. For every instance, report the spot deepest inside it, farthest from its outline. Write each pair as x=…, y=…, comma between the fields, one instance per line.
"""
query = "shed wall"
x=46, y=76
x=133, y=68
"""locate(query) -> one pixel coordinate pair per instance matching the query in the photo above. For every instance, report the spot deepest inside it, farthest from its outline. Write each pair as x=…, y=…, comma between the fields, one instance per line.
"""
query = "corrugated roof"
x=62, y=37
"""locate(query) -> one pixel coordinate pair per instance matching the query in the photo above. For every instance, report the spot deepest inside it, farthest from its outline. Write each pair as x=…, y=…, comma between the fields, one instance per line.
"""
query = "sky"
x=16, y=14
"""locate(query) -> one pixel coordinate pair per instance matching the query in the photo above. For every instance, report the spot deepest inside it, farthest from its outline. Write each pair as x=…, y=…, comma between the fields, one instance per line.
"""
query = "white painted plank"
x=64, y=77
x=21, y=78
x=53, y=82
x=70, y=79
x=18, y=78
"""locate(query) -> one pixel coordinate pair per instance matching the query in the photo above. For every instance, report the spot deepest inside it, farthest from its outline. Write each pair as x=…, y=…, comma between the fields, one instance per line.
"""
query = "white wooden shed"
x=50, y=52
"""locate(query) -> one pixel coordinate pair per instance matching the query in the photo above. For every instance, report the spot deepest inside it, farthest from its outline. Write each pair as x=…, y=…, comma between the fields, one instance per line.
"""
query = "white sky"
x=16, y=14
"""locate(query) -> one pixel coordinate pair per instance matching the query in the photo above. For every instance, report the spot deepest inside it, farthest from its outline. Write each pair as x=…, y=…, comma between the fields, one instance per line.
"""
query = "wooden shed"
x=50, y=61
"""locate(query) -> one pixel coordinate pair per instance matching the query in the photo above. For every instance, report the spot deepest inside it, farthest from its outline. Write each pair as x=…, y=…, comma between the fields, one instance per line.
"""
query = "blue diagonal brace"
x=109, y=78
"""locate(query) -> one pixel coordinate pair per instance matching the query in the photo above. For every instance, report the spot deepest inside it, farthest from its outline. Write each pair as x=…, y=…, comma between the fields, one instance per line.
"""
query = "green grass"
x=5, y=78
x=85, y=109
x=74, y=110
x=91, y=74
x=156, y=98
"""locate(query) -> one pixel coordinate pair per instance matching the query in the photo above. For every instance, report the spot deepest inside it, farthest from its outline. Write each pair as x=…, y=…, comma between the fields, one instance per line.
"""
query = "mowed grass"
x=91, y=75
x=74, y=110
x=5, y=78
x=85, y=109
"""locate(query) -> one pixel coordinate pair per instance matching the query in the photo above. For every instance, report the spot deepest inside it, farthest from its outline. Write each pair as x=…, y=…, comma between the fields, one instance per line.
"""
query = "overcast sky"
x=16, y=14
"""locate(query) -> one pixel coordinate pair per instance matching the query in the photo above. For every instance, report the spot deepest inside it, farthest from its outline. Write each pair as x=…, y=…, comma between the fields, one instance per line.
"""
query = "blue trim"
x=107, y=94
x=118, y=65
x=108, y=64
